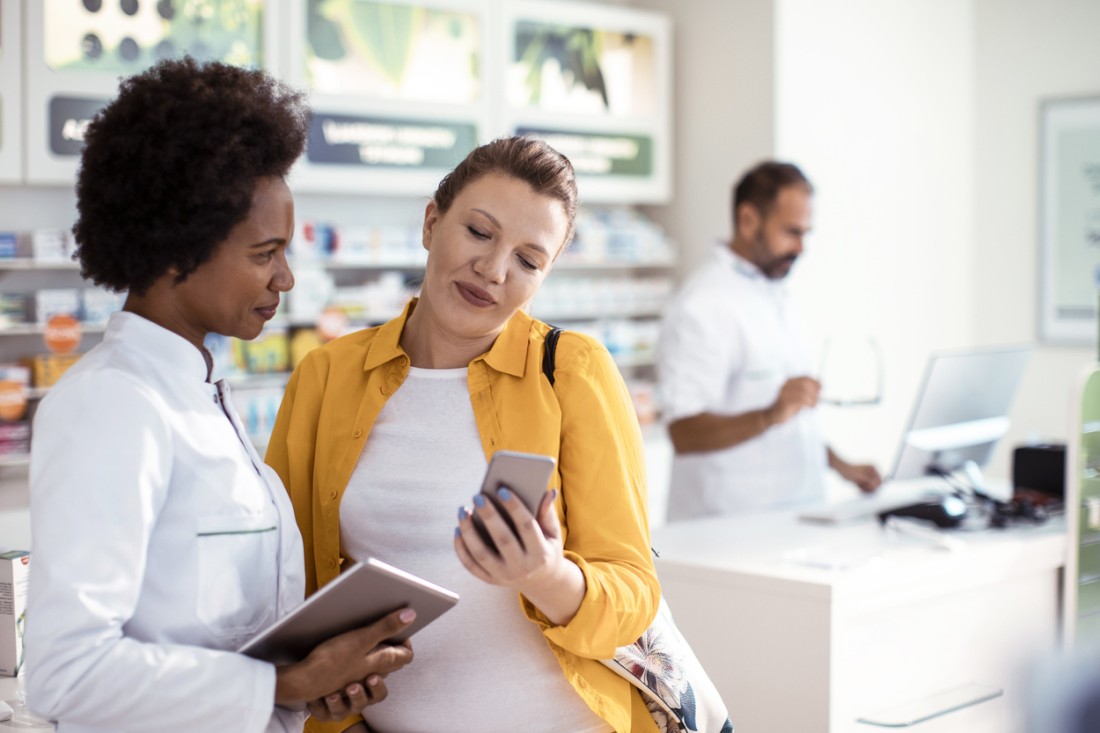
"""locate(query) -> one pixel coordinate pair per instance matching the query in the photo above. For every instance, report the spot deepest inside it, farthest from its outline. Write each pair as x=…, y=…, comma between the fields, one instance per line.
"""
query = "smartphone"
x=526, y=475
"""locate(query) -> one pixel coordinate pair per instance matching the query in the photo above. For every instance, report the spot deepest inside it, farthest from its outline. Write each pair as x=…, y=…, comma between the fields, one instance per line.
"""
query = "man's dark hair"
x=760, y=186
x=170, y=166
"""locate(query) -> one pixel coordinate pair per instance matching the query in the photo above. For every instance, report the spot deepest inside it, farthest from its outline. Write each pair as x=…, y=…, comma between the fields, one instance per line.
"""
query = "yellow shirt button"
x=332, y=563
x=356, y=433
x=332, y=495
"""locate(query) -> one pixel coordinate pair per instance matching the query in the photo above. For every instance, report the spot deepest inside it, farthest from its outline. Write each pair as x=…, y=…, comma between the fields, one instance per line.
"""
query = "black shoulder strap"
x=548, y=352
x=548, y=369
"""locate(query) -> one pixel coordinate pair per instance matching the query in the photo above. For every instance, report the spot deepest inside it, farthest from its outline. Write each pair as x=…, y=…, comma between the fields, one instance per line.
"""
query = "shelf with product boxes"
x=611, y=283
x=48, y=316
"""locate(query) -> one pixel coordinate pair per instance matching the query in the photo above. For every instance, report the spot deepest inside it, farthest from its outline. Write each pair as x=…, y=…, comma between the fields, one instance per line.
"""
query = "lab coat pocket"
x=758, y=387
x=237, y=571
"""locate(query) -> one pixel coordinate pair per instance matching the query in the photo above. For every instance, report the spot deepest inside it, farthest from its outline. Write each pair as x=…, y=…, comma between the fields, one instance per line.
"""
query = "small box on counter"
x=14, y=580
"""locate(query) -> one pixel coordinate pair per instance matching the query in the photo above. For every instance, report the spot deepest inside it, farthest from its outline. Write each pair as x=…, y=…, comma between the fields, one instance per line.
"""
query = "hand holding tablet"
x=362, y=594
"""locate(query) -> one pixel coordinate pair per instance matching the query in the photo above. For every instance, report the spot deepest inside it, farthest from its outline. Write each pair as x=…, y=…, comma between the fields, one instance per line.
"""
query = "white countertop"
x=777, y=552
x=10, y=688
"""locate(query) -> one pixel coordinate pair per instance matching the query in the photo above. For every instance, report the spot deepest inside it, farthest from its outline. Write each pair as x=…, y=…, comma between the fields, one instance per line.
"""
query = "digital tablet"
x=362, y=594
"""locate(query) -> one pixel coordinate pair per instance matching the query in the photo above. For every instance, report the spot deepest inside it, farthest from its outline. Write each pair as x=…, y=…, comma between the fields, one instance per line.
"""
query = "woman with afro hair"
x=160, y=540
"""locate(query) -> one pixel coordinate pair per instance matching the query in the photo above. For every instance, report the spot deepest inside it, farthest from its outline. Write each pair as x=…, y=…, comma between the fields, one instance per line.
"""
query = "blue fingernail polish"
x=504, y=494
x=479, y=500
x=462, y=513
x=458, y=532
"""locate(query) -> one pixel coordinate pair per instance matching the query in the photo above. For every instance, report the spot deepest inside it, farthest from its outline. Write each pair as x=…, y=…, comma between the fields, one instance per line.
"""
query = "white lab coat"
x=160, y=542
x=729, y=340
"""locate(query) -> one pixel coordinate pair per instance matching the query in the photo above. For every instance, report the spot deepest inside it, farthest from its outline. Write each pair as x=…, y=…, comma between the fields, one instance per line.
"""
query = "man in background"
x=734, y=372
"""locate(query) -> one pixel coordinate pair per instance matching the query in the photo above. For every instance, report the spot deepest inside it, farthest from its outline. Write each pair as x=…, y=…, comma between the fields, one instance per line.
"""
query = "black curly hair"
x=170, y=166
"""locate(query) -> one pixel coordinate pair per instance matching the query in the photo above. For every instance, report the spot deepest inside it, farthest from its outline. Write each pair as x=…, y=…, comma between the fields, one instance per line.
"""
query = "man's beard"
x=778, y=268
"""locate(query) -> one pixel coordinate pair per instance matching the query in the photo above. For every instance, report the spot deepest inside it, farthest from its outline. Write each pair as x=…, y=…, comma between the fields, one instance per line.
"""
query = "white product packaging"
x=50, y=302
x=14, y=579
x=47, y=245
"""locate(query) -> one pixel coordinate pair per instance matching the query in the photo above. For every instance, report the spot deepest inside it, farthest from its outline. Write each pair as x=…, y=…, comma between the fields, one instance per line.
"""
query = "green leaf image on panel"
x=79, y=39
x=393, y=51
x=576, y=50
x=323, y=33
x=380, y=33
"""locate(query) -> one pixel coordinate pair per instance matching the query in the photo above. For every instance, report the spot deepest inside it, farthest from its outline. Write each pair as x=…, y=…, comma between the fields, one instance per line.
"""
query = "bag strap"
x=548, y=369
x=548, y=353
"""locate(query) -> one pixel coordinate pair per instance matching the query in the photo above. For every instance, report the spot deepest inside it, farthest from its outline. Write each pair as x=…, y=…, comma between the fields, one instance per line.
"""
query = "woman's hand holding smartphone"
x=527, y=475
x=511, y=537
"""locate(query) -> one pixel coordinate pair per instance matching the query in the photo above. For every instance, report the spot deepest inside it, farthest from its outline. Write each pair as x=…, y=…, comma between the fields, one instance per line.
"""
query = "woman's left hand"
x=532, y=563
x=353, y=699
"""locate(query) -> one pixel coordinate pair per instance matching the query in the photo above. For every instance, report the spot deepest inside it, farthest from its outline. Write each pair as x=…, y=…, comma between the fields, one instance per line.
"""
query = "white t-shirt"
x=728, y=343
x=160, y=543
x=482, y=666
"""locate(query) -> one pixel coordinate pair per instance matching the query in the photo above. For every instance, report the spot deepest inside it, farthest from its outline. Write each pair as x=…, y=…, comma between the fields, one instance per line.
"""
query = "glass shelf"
x=13, y=460
x=26, y=263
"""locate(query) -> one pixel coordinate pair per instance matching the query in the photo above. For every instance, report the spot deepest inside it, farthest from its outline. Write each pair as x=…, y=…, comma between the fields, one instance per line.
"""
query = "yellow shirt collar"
x=508, y=353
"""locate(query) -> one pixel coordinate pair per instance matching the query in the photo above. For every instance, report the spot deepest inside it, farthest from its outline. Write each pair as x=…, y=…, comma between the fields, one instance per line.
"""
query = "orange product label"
x=13, y=400
x=63, y=334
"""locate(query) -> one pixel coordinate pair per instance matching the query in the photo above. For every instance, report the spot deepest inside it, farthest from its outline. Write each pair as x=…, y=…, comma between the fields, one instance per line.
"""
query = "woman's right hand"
x=357, y=658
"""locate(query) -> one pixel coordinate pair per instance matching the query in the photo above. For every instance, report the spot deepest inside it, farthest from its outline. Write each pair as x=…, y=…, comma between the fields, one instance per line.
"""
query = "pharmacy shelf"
x=32, y=329
x=567, y=265
x=15, y=460
x=26, y=263
x=564, y=265
x=633, y=361
x=592, y=314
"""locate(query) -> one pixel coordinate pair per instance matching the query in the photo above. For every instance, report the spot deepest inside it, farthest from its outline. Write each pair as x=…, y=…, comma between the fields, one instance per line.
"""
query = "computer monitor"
x=961, y=411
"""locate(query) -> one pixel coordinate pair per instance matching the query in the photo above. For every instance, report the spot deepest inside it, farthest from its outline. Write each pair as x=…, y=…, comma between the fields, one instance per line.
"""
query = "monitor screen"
x=961, y=410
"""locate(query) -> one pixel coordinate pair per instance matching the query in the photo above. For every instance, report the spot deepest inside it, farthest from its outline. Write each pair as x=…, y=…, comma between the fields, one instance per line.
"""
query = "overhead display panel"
x=594, y=82
x=11, y=159
x=397, y=88
x=86, y=46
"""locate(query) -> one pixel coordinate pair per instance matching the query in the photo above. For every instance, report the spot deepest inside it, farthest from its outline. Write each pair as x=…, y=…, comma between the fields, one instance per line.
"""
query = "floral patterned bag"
x=676, y=688
x=661, y=664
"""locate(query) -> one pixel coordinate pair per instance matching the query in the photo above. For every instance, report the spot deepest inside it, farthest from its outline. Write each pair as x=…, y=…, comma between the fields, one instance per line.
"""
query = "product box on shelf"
x=13, y=309
x=269, y=352
x=46, y=369
x=15, y=438
x=14, y=381
x=50, y=302
x=14, y=579
x=9, y=245
x=97, y=305
x=46, y=245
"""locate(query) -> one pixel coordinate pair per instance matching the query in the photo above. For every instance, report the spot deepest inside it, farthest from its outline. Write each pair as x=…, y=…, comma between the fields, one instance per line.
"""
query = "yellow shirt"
x=585, y=420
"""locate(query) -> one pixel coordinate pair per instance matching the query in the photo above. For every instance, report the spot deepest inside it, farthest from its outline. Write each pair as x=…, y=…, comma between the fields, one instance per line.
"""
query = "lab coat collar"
x=170, y=351
x=728, y=258
x=508, y=354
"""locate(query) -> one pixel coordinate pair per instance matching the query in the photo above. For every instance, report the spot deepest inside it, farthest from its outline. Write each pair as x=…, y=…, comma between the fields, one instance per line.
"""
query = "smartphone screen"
x=527, y=475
